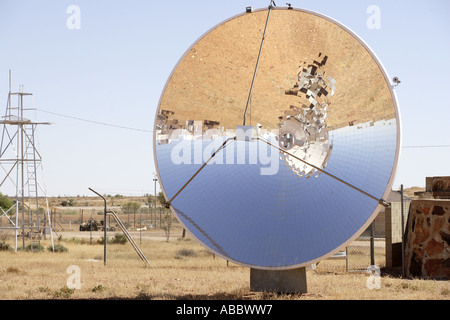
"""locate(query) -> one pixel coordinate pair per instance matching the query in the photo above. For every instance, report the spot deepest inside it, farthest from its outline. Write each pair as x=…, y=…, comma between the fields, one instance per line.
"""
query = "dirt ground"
x=147, y=235
x=180, y=270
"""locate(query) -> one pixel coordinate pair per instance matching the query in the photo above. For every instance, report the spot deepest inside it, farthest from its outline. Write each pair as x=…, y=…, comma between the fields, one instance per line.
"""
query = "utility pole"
x=155, y=179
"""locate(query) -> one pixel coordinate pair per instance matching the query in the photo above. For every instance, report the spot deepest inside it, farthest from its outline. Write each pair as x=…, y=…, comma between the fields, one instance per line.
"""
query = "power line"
x=95, y=122
x=420, y=147
x=149, y=131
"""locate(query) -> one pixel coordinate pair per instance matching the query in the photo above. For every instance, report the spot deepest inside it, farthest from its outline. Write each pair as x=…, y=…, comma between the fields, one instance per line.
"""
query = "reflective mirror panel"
x=320, y=95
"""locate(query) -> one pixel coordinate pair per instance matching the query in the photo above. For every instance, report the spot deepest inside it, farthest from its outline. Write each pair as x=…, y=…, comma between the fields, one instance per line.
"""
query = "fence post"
x=90, y=230
x=403, y=232
x=372, y=245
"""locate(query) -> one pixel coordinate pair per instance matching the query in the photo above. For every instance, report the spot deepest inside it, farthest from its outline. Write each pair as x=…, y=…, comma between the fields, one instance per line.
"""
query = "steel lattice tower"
x=21, y=161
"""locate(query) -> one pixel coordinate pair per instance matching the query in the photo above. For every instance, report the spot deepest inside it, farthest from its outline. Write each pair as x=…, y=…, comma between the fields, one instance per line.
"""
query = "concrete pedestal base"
x=280, y=281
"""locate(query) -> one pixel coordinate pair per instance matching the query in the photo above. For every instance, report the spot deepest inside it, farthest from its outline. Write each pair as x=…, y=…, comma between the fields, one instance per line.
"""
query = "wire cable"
x=95, y=122
x=420, y=147
x=150, y=131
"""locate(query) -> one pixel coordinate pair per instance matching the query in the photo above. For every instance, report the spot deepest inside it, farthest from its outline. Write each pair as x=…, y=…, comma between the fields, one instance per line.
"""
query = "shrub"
x=119, y=239
x=58, y=248
x=12, y=270
x=64, y=292
x=4, y=246
x=184, y=253
x=33, y=247
x=98, y=288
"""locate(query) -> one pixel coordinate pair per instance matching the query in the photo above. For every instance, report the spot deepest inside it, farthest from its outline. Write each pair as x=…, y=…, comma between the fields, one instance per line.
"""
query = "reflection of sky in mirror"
x=280, y=220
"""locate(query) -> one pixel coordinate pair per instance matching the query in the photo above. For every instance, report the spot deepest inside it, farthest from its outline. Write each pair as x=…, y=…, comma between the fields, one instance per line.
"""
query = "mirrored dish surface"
x=321, y=95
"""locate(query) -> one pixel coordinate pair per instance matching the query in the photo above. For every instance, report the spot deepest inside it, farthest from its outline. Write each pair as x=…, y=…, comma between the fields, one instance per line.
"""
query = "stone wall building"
x=427, y=234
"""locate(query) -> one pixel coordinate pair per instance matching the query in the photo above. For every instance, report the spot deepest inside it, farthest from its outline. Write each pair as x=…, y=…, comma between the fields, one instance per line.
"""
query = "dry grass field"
x=180, y=269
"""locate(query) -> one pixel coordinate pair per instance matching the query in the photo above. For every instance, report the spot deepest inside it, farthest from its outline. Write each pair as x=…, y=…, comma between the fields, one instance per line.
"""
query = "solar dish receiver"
x=277, y=138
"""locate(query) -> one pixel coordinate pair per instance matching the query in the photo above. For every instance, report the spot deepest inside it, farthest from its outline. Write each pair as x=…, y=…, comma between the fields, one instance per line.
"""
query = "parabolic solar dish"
x=319, y=154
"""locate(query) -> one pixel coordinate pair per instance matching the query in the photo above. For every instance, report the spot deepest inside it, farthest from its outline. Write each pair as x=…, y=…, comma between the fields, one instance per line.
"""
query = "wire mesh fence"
x=365, y=251
x=164, y=241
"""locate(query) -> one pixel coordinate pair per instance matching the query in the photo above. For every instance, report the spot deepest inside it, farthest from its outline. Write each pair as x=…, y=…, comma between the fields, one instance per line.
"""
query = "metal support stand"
x=372, y=245
x=403, y=232
x=122, y=227
x=198, y=171
x=280, y=281
x=128, y=236
x=272, y=3
x=380, y=201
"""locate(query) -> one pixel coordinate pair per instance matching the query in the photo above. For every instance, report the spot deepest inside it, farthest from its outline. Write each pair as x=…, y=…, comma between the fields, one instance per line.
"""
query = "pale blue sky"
x=114, y=69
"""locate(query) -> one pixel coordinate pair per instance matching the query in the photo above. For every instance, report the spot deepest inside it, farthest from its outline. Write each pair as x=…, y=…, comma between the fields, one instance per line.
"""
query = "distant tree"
x=161, y=198
x=131, y=207
x=67, y=203
x=149, y=199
